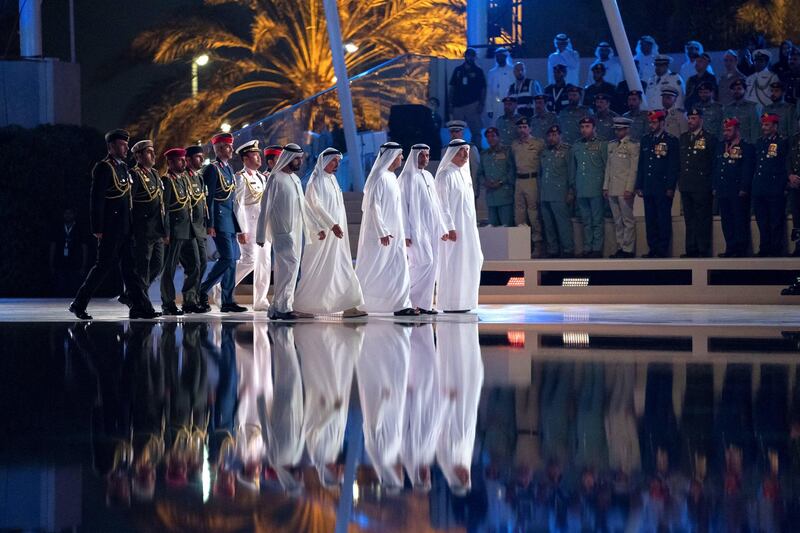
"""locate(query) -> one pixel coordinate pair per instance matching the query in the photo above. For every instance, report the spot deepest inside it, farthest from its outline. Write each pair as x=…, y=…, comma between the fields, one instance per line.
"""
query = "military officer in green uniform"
x=148, y=213
x=557, y=193
x=527, y=150
x=697, y=151
x=744, y=111
x=588, y=159
x=604, y=117
x=571, y=115
x=506, y=123
x=712, y=111
x=110, y=220
x=638, y=117
x=497, y=174
x=619, y=186
x=197, y=192
x=785, y=111
x=541, y=120
x=178, y=202
x=770, y=180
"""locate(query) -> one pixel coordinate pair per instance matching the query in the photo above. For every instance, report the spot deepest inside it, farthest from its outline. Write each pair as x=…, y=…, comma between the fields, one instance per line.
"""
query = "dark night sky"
x=104, y=31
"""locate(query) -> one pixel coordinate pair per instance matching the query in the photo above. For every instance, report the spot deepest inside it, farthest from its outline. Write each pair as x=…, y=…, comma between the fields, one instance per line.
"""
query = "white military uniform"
x=250, y=186
x=657, y=83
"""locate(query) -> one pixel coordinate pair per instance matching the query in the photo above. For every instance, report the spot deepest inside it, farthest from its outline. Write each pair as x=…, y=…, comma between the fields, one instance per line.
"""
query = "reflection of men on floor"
x=110, y=204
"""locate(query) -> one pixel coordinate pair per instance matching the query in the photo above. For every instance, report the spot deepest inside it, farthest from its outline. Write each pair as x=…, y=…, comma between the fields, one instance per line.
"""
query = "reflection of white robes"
x=328, y=283
x=382, y=371
x=256, y=259
x=283, y=221
x=328, y=354
x=462, y=378
x=460, y=262
x=254, y=368
x=424, y=404
x=284, y=428
x=383, y=270
x=621, y=431
x=425, y=226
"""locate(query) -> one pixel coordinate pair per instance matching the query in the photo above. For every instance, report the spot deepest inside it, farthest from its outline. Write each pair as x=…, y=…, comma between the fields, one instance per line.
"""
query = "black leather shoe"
x=192, y=308
x=78, y=312
x=650, y=255
x=726, y=254
x=171, y=310
x=232, y=308
x=456, y=310
x=689, y=256
x=428, y=311
x=407, y=312
x=148, y=314
x=124, y=300
x=626, y=255
x=277, y=315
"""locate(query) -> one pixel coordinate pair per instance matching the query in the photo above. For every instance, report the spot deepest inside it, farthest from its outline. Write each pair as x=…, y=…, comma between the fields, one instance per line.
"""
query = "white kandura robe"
x=254, y=368
x=328, y=283
x=382, y=371
x=460, y=262
x=383, y=270
x=283, y=426
x=328, y=354
x=255, y=259
x=424, y=405
x=462, y=378
x=424, y=225
x=284, y=222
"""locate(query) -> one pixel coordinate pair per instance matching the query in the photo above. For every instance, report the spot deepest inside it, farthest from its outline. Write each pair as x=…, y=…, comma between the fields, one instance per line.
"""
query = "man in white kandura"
x=424, y=227
x=328, y=284
x=250, y=185
x=284, y=222
x=381, y=265
x=460, y=256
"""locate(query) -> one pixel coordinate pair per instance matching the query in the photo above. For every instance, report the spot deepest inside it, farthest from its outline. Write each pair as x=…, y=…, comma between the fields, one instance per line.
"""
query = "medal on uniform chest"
x=772, y=150
x=660, y=150
x=700, y=144
x=736, y=152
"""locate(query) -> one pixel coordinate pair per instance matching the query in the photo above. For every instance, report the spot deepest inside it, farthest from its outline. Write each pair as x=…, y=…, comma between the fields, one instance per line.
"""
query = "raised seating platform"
x=653, y=281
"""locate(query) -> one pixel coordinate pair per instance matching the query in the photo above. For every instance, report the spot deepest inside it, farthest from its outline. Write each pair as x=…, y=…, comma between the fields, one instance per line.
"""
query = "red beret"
x=767, y=118
x=225, y=138
x=175, y=152
x=730, y=122
x=656, y=115
x=272, y=150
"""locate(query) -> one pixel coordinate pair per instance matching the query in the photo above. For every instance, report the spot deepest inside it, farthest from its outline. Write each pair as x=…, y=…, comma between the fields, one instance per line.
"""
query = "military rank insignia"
x=660, y=149
x=772, y=150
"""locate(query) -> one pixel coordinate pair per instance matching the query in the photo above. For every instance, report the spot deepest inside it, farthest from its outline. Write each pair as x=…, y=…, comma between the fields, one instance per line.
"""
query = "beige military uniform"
x=527, y=157
x=621, y=167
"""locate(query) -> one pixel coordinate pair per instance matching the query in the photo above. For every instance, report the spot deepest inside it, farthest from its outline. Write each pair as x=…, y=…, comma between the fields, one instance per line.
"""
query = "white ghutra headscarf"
x=452, y=149
x=388, y=153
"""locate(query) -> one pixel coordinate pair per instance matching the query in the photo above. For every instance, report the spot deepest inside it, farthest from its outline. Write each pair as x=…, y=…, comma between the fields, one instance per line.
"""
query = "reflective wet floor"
x=461, y=425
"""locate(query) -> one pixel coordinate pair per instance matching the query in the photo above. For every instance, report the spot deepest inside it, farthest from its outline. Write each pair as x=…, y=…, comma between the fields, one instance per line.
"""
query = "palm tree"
x=285, y=58
x=778, y=20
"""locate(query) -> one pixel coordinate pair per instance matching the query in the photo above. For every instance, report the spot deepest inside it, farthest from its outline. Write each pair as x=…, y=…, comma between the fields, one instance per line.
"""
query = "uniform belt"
x=527, y=175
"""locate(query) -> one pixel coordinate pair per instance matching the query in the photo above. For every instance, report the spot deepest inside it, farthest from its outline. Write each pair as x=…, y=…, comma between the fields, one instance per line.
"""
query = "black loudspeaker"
x=411, y=124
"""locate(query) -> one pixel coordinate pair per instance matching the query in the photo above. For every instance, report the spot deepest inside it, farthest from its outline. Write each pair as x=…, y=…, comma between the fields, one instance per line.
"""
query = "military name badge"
x=700, y=144
x=660, y=149
x=772, y=150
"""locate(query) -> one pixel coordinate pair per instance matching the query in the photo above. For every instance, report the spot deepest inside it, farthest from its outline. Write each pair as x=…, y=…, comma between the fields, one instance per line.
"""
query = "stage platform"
x=562, y=315
x=644, y=281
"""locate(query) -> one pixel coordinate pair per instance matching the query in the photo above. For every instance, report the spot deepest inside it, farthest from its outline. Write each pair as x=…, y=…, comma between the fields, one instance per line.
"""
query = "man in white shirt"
x=498, y=80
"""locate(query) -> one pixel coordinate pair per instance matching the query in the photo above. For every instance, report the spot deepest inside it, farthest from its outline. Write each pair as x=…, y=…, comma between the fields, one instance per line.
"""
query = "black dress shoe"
x=124, y=300
x=192, y=308
x=726, y=254
x=407, y=312
x=171, y=310
x=457, y=311
x=626, y=255
x=428, y=311
x=232, y=308
x=203, y=307
x=616, y=255
x=146, y=314
x=650, y=255
x=78, y=312
x=689, y=256
x=762, y=253
x=277, y=315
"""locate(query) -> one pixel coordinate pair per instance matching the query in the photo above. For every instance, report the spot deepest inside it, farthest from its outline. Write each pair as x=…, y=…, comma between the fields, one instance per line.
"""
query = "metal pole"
x=195, y=78
x=345, y=98
x=477, y=22
x=73, y=55
x=622, y=45
x=30, y=28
